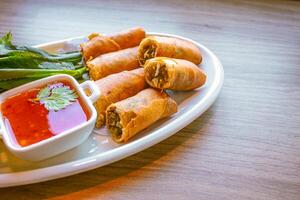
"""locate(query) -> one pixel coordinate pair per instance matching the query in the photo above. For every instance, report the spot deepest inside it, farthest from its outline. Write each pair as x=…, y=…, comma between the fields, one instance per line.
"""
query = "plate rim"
x=99, y=160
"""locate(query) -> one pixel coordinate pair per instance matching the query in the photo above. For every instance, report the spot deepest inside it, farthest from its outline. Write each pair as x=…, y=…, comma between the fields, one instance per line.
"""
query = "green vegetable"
x=17, y=77
x=12, y=56
x=56, y=98
x=6, y=74
x=23, y=64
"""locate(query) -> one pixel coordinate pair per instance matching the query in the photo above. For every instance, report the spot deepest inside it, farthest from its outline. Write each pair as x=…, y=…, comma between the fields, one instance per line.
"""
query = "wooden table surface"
x=246, y=146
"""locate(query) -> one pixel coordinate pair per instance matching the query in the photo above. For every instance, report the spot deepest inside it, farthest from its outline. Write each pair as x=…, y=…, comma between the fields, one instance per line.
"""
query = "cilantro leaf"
x=56, y=98
x=44, y=92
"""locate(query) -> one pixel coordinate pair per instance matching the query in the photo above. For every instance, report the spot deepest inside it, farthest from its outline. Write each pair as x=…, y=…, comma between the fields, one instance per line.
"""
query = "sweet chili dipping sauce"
x=30, y=122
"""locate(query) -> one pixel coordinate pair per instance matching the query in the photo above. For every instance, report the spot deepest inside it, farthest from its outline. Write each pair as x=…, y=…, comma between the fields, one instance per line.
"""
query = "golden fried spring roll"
x=129, y=38
x=99, y=44
x=117, y=87
x=170, y=47
x=112, y=63
x=128, y=117
x=174, y=74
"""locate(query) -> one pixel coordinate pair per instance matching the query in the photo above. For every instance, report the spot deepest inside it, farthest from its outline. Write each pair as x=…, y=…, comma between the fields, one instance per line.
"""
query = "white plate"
x=99, y=149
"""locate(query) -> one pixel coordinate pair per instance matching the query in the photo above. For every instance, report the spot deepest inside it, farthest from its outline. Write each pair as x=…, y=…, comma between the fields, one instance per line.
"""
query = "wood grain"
x=246, y=146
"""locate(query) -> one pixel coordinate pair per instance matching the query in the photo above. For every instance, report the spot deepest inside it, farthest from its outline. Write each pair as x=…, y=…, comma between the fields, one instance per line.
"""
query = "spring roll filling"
x=159, y=75
x=149, y=52
x=114, y=124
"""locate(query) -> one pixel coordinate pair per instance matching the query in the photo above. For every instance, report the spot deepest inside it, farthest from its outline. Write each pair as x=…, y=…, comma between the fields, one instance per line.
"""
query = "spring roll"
x=129, y=38
x=174, y=74
x=117, y=87
x=112, y=63
x=128, y=117
x=154, y=46
x=99, y=44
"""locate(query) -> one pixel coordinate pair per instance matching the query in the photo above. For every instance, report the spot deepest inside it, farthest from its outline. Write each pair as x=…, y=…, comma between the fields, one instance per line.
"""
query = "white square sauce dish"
x=46, y=117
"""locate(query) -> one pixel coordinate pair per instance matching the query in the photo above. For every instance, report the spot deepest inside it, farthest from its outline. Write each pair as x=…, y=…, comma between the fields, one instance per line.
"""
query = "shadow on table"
x=109, y=173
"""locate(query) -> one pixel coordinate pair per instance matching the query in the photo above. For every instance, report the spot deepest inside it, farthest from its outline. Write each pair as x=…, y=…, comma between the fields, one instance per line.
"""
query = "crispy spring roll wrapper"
x=113, y=62
x=129, y=38
x=117, y=87
x=128, y=117
x=155, y=46
x=173, y=74
x=99, y=44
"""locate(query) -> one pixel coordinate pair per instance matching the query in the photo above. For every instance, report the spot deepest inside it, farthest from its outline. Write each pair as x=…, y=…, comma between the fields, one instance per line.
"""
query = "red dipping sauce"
x=31, y=122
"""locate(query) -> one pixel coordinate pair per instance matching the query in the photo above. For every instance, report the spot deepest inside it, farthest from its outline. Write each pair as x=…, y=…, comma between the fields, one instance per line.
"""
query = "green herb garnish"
x=56, y=98
x=14, y=56
x=22, y=64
